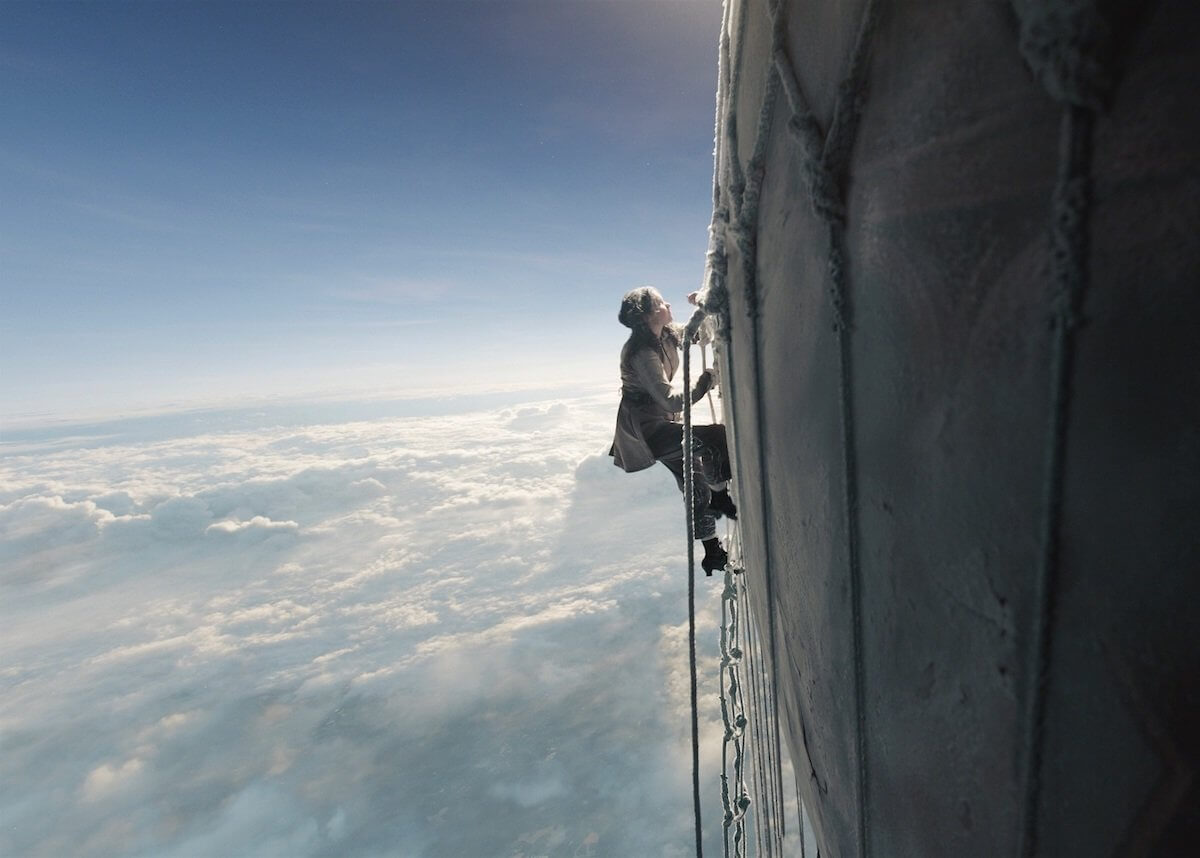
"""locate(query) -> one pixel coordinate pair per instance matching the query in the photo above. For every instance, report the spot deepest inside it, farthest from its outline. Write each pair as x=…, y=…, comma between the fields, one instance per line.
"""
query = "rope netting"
x=747, y=701
x=1066, y=45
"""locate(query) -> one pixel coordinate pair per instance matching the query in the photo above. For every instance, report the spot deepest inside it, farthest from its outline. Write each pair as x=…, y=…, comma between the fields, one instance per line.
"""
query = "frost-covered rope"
x=769, y=814
x=825, y=158
x=776, y=770
x=768, y=804
x=1070, y=251
x=712, y=409
x=746, y=230
x=763, y=816
x=800, y=815
x=689, y=492
x=735, y=210
x=733, y=716
x=758, y=755
x=775, y=767
x=1067, y=45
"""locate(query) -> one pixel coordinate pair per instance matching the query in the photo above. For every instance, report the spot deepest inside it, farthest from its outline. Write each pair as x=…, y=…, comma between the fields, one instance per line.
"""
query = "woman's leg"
x=713, y=448
x=714, y=451
x=666, y=443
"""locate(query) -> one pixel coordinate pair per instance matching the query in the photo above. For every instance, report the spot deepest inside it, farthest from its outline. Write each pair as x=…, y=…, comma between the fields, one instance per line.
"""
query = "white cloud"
x=258, y=522
x=104, y=779
x=437, y=636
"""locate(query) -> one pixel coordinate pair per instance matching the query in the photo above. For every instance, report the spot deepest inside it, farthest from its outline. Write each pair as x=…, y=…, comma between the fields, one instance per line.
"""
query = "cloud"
x=534, y=417
x=105, y=779
x=257, y=523
x=441, y=635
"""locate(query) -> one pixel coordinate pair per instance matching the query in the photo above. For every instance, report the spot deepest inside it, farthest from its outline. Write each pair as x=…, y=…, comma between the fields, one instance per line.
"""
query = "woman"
x=648, y=427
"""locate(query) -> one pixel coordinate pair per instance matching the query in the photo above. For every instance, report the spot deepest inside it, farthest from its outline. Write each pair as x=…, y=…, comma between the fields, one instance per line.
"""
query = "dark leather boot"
x=714, y=556
x=721, y=502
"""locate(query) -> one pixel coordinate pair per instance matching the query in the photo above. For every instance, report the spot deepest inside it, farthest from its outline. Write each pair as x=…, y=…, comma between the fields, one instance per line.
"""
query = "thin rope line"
x=741, y=761
x=1070, y=273
x=823, y=174
x=755, y=731
x=726, y=704
x=689, y=492
x=732, y=713
x=747, y=245
x=760, y=822
x=850, y=499
x=800, y=814
x=767, y=802
x=773, y=765
x=736, y=176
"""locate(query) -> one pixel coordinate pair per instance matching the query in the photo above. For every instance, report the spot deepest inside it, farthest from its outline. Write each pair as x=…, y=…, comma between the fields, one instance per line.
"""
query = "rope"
x=1069, y=261
x=825, y=158
x=800, y=815
x=689, y=492
x=773, y=831
x=733, y=715
x=1067, y=44
x=756, y=733
x=1068, y=47
x=747, y=227
x=712, y=409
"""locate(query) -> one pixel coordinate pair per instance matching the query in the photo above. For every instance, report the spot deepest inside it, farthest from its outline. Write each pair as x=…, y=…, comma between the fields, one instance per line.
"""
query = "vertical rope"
x=850, y=510
x=728, y=620
x=1070, y=272
x=733, y=713
x=756, y=733
x=800, y=815
x=766, y=813
x=689, y=491
x=824, y=161
x=842, y=133
x=772, y=768
x=747, y=246
x=766, y=764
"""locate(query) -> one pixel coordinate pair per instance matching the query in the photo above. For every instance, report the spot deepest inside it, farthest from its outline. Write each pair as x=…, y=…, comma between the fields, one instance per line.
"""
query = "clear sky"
x=207, y=201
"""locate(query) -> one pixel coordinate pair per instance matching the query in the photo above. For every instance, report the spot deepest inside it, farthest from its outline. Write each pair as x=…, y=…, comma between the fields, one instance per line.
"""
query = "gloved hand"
x=703, y=384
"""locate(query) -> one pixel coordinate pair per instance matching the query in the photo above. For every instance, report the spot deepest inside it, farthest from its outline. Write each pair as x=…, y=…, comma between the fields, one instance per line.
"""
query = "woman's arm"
x=648, y=368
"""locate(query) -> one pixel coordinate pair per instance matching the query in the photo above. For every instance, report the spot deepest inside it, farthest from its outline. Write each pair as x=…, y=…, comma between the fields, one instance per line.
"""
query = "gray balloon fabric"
x=956, y=260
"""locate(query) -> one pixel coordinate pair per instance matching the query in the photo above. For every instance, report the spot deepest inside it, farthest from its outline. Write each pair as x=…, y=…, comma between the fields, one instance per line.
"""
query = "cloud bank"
x=454, y=635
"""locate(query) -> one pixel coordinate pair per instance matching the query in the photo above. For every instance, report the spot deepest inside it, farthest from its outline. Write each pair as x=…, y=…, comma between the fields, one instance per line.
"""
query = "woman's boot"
x=714, y=556
x=721, y=502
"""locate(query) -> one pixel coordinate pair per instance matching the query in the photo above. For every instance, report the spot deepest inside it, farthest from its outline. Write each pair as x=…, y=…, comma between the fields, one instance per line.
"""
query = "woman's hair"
x=636, y=307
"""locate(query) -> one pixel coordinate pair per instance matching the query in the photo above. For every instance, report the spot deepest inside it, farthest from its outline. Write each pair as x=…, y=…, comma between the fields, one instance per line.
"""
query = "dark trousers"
x=710, y=466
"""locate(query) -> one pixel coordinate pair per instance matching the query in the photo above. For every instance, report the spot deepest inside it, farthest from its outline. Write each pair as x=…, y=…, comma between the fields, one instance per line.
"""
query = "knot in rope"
x=1067, y=45
x=824, y=192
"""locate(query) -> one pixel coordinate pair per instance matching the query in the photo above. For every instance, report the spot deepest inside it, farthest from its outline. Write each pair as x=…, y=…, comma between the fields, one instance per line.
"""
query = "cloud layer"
x=458, y=635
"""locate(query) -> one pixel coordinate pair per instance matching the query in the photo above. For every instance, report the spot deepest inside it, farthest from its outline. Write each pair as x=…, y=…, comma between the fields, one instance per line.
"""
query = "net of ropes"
x=1058, y=41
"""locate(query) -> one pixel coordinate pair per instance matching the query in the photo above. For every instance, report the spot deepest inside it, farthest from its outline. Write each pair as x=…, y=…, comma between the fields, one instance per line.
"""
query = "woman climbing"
x=648, y=427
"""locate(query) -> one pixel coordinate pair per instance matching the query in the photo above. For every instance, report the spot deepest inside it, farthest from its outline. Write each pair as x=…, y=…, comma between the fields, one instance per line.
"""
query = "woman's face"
x=660, y=312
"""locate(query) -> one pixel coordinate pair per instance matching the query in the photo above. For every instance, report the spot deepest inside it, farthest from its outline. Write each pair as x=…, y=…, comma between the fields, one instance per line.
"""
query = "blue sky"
x=210, y=201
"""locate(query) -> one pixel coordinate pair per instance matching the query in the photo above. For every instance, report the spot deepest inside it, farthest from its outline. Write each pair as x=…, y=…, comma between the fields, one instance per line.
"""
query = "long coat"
x=647, y=401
